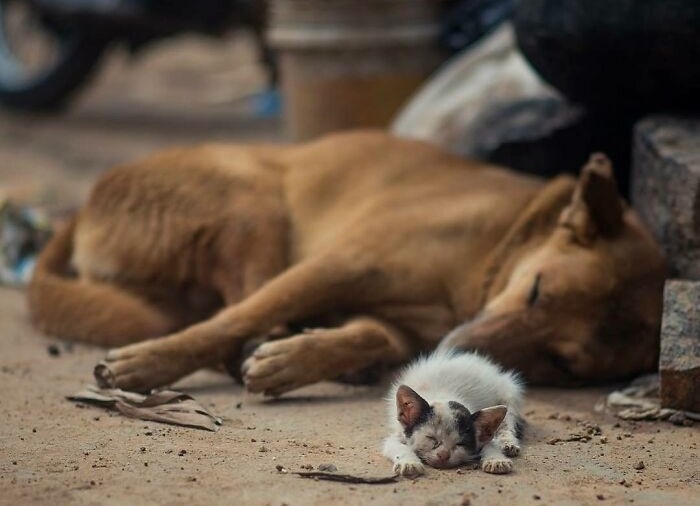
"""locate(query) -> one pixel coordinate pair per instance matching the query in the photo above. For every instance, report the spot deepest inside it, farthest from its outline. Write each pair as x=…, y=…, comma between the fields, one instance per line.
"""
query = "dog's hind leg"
x=319, y=354
x=87, y=310
x=314, y=286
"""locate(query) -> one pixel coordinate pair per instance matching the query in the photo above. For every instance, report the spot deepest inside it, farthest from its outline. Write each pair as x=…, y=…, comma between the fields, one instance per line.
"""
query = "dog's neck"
x=527, y=233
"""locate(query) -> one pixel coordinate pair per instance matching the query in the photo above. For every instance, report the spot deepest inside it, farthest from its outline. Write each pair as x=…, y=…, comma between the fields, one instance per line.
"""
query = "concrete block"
x=679, y=360
x=665, y=188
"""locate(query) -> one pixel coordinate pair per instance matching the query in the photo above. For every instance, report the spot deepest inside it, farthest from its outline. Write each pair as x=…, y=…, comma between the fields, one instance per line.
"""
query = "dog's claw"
x=103, y=375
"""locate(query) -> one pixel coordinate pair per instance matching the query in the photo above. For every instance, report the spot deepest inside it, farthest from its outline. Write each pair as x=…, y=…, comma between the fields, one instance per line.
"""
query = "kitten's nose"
x=443, y=455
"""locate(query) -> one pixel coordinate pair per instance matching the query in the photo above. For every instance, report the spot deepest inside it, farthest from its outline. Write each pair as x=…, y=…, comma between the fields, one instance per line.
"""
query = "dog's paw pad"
x=409, y=468
x=497, y=466
x=511, y=449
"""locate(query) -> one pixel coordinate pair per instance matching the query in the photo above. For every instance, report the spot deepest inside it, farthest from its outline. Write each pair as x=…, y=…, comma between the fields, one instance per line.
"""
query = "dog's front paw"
x=280, y=366
x=409, y=468
x=511, y=449
x=497, y=465
x=142, y=366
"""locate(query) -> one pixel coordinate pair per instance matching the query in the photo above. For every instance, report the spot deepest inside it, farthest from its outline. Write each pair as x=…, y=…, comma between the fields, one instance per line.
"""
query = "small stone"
x=181, y=453
x=329, y=468
x=263, y=449
x=536, y=497
x=53, y=350
x=239, y=405
x=639, y=465
x=281, y=469
x=600, y=497
x=603, y=439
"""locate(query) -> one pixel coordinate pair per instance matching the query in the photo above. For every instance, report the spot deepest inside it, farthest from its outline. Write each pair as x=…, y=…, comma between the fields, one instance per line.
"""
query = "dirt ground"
x=52, y=451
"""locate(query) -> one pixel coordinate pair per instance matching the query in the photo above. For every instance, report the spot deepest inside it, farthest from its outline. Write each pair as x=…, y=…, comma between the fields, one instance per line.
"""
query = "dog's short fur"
x=382, y=245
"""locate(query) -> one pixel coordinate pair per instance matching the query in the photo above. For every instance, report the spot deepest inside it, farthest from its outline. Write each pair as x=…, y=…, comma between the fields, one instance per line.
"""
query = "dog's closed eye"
x=534, y=291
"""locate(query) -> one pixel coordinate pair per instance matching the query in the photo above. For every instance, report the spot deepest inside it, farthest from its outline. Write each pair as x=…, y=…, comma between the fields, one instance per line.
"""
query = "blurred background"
x=533, y=84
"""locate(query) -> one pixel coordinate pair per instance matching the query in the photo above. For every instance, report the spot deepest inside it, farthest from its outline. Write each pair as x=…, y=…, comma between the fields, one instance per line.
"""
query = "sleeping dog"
x=354, y=250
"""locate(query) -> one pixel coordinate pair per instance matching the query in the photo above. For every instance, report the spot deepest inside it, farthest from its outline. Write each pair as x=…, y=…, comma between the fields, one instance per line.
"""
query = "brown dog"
x=385, y=245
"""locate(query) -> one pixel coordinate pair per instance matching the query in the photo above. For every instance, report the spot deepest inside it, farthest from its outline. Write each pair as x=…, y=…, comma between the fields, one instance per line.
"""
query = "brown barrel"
x=350, y=63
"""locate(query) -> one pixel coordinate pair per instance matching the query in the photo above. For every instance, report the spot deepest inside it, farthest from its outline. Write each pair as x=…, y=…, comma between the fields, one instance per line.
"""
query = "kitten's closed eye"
x=435, y=442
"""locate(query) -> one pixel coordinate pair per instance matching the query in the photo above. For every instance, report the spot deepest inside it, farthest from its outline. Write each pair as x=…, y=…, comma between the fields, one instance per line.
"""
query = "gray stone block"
x=666, y=188
x=679, y=360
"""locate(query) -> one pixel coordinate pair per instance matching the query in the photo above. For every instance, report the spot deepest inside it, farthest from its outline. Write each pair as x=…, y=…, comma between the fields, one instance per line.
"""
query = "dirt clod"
x=639, y=465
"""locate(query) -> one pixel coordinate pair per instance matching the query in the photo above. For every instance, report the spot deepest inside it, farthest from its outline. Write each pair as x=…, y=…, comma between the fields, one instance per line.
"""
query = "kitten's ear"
x=486, y=422
x=410, y=406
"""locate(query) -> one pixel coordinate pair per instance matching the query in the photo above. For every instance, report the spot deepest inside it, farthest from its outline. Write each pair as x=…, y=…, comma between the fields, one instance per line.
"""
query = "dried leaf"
x=166, y=406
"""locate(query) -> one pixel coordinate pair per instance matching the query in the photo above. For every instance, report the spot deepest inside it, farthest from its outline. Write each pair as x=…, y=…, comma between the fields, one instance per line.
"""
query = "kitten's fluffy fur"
x=448, y=408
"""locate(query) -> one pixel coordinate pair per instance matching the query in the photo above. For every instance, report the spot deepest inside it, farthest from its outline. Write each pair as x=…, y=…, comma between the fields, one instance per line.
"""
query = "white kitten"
x=448, y=408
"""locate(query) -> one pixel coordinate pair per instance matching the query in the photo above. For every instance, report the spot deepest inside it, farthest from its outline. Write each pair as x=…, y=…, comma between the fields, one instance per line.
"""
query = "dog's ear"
x=411, y=407
x=596, y=207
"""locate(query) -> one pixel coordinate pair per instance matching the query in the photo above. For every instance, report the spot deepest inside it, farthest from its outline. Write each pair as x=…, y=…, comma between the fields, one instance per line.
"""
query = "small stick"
x=347, y=478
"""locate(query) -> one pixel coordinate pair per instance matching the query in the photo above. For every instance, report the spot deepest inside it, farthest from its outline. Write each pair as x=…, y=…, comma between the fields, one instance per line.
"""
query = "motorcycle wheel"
x=42, y=64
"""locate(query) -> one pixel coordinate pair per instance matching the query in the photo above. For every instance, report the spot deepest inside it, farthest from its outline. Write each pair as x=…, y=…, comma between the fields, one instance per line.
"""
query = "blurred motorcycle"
x=49, y=49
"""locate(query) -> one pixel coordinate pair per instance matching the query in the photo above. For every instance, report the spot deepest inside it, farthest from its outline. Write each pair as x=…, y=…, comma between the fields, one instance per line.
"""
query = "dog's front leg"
x=319, y=354
x=311, y=287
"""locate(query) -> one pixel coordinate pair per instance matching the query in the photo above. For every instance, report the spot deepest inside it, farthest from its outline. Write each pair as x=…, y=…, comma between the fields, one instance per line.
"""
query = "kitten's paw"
x=511, y=449
x=409, y=468
x=497, y=465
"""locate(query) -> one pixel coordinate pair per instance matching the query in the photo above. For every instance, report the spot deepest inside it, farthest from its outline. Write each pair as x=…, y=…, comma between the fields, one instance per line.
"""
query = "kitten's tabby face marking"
x=445, y=435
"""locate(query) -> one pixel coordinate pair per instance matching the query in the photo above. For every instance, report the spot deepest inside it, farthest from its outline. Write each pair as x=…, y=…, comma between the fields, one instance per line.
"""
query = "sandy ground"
x=52, y=451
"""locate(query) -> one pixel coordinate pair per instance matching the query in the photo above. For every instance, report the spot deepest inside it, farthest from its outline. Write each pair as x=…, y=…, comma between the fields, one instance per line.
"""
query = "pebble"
x=329, y=468
x=639, y=465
